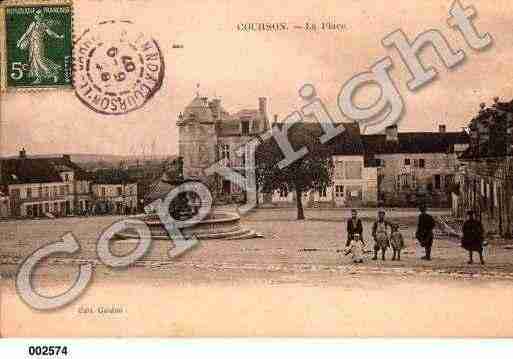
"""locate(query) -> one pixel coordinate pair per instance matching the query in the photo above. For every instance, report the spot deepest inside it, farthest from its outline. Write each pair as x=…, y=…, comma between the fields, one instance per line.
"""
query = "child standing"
x=397, y=242
x=379, y=232
x=356, y=248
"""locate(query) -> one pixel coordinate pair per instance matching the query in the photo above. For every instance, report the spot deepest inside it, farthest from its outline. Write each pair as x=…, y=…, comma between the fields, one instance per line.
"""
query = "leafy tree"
x=313, y=171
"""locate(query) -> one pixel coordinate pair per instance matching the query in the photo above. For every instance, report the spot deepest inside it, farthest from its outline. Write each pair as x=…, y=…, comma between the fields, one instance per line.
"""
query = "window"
x=406, y=161
x=224, y=152
x=420, y=163
x=45, y=191
x=66, y=177
x=284, y=192
x=47, y=207
x=245, y=128
x=339, y=191
x=339, y=169
x=322, y=192
x=437, y=182
x=15, y=193
x=120, y=190
x=29, y=192
x=227, y=186
x=103, y=191
x=353, y=170
x=449, y=180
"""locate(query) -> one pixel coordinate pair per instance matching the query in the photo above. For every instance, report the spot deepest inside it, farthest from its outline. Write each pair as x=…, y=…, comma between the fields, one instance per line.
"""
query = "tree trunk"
x=507, y=233
x=299, y=204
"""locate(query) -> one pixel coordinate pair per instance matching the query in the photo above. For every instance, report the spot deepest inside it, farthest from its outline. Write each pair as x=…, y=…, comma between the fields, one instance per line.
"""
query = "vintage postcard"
x=255, y=168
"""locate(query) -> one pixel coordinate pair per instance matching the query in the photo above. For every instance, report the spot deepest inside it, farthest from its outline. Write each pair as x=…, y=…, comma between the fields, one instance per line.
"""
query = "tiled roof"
x=28, y=170
x=245, y=113
x=228, y=128
x=348, y=142
x=415, y=142
x=65, y=162
x=198, y=110
x=111, y=176
x=308, y=134
x=39, y=170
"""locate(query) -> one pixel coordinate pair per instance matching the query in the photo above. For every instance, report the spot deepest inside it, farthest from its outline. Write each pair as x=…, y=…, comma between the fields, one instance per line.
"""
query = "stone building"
x=394, y=167
x=354, y=177
x=114, y=192
x=208, y=133
x=44, y=185
x=485, y=180
x=416, y=163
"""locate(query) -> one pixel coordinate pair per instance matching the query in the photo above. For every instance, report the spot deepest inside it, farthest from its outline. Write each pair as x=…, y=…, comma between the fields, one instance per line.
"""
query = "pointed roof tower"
x=197, y=110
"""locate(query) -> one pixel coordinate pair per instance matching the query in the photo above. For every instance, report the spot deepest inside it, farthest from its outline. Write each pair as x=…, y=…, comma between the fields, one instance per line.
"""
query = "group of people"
x=386, y=235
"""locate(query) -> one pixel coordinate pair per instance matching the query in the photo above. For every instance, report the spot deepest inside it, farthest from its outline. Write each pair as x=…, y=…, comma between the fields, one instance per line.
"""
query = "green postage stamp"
x=37, y=44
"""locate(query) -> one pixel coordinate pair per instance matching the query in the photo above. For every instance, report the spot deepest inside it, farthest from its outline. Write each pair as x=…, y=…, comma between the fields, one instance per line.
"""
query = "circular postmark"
x=118, y=68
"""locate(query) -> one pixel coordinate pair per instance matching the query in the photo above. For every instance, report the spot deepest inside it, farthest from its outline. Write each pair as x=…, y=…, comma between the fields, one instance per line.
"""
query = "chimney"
x=441, y=128
x=391, y=133
x=262, y=105
x=23, y=153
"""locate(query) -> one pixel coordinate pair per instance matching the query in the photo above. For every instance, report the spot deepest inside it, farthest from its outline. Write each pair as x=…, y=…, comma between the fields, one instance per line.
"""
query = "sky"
x=238, y=67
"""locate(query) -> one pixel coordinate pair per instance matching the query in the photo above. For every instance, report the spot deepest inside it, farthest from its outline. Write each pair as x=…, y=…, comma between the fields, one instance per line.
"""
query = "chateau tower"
x=197, y=138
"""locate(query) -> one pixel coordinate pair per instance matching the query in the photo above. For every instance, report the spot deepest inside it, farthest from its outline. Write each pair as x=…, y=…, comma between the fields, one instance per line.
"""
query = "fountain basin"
x=217, y=225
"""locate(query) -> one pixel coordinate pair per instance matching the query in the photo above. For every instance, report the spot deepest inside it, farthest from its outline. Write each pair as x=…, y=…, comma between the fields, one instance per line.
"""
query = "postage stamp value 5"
x=37, y=44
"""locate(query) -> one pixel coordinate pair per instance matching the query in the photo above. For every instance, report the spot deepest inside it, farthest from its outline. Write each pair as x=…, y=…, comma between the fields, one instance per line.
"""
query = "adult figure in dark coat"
x=424, y=233
x=473, y=237
x=354, y=226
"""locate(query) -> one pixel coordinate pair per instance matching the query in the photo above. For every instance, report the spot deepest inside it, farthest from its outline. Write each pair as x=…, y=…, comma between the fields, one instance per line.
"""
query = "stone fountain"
x=217, y=224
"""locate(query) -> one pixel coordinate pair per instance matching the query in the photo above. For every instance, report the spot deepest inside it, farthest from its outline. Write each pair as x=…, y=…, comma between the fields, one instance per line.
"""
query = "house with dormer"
x=39, y=186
